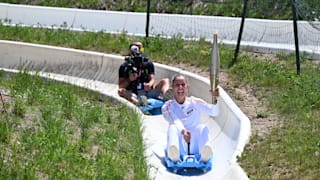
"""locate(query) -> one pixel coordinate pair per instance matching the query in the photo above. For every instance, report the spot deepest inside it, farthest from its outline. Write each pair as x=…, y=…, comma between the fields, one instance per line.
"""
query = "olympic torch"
x=214, y=65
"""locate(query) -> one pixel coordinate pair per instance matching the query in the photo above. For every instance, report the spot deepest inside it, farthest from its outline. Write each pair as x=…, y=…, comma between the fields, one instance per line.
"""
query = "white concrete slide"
x=230, y=131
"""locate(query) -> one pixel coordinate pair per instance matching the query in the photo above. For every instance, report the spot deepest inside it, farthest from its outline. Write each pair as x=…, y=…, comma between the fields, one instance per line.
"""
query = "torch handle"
x=214, y=85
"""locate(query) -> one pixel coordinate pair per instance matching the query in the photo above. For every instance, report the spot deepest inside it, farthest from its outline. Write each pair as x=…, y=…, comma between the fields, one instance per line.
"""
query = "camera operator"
x=137, y=78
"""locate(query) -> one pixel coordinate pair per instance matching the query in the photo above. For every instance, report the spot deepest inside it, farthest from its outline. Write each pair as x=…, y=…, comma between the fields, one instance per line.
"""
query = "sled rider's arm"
x=152, y=79
x=206, y=108
x=123, y=82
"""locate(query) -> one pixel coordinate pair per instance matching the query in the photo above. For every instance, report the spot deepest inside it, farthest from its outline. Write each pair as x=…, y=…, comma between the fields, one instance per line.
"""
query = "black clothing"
x=144, y=69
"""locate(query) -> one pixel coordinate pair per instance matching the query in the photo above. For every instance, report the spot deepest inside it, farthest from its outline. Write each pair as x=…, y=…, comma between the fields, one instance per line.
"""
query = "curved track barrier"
x=229, y=132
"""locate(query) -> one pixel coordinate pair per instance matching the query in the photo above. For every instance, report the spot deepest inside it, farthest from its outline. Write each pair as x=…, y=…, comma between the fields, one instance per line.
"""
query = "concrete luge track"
x=229, y=131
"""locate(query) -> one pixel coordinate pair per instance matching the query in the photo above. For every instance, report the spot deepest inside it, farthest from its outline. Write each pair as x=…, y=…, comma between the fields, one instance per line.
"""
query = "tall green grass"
x=292, y=149
x=65, y=132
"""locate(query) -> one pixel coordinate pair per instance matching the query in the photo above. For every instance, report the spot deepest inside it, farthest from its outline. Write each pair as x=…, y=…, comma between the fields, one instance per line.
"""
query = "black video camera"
x=130, y=68
x=134, y=61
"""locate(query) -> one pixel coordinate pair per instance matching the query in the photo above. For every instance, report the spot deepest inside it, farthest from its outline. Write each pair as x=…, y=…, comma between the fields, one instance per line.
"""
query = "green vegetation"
x=57, y=131
x=290, y=151
x=160, y=50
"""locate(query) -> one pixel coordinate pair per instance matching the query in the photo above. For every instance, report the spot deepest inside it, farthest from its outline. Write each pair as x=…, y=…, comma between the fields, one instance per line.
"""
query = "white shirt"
x=188, y=114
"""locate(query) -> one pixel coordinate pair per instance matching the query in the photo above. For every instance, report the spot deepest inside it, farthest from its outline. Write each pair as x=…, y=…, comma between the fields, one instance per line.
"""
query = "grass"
x=158, y=49
x=290, y=151
x=58, y=131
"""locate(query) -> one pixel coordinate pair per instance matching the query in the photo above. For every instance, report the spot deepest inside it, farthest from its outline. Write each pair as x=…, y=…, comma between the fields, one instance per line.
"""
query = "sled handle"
x=192, y=158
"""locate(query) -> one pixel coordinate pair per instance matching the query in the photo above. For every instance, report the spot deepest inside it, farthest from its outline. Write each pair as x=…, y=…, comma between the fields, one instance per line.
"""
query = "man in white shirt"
x=186, y=133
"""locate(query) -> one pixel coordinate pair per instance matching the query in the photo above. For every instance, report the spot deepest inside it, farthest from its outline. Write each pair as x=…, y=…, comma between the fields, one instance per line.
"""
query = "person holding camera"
x=137, y=78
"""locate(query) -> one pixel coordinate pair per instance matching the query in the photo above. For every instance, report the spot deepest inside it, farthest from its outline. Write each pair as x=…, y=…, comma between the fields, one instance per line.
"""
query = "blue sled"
x=153, y=107
x=188, y=162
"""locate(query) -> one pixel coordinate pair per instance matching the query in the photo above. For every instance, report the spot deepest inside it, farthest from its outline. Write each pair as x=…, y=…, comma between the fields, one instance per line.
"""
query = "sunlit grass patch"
x=291, y=150
x=67, y=133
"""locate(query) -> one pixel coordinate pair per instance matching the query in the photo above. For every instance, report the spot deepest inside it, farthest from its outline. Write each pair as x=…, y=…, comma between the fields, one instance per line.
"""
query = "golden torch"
x=214, y=65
